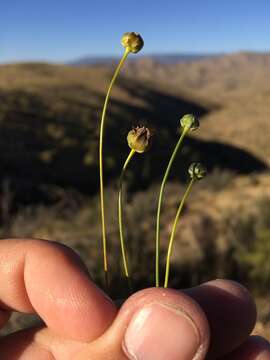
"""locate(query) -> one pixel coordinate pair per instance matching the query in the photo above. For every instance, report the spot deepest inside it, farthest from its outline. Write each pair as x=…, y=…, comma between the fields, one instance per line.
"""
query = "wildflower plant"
x=139, y=141
x=188, y=123
x=196, y=171
x=132, y=43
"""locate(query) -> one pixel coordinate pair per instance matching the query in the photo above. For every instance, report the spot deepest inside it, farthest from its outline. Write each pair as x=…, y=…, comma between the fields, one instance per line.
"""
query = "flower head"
x=189, y=122
x=132, y=41
x=139, y=139
x=197, y=171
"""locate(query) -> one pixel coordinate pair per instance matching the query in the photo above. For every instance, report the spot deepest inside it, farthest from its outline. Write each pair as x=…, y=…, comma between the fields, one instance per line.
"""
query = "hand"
x=82, y=323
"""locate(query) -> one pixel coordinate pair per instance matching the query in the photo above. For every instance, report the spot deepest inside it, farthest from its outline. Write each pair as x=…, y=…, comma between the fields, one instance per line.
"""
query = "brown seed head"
x=139, y=139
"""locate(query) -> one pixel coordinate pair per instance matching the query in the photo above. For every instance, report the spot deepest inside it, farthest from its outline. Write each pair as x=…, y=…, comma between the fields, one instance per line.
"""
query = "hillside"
x=236, y=84
x=49, y=119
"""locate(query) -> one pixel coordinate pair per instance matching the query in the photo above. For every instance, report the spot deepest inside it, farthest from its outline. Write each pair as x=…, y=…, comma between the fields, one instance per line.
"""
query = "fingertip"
x=260, y=348
x=235, y=288
x=173, y=298
x=168, y=325
x=47, y=278
x=230, y=310
x=254, y=348
x=63, y=294
x=158, y=323
x=244, y=305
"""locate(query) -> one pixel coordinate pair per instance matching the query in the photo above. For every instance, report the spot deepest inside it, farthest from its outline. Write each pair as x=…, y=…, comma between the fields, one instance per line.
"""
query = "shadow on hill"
x=52, y=140
x=227, y=156
x=162, y=109
x=162, y=113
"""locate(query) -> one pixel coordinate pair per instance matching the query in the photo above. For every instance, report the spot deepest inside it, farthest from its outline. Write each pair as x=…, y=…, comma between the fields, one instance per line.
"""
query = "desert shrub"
x=236, y=246
x=217, y=179
x=249, y=246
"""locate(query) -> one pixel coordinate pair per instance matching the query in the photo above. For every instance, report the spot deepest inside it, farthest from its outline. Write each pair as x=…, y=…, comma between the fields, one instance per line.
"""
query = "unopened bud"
x=132, y=41
x=189, y=122
x=139, y=139
x=197, y=171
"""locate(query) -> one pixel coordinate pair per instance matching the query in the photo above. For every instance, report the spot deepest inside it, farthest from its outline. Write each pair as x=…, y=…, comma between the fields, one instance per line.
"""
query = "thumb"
x=153, y=324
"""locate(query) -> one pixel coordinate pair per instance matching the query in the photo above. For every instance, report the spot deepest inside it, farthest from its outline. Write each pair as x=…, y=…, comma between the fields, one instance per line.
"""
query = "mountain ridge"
x=165, y=58
x=170, y=58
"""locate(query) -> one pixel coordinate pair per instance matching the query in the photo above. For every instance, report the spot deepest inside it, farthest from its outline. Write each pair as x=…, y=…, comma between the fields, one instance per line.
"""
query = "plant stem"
x=185, y=130
x=120, y=220
x=173, y=231
x=102, y=207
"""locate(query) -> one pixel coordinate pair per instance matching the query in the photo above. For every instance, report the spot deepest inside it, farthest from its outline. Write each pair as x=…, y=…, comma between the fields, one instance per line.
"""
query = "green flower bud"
x=197, y=171
x=189, y=122
x=139, y=139
x=132, y=41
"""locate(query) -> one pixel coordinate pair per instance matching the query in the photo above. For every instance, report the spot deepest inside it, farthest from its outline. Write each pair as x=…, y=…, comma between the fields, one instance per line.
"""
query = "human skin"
x=211, y=321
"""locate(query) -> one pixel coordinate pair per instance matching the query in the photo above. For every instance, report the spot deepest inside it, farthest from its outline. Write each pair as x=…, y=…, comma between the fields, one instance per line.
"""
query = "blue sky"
x=58, y=30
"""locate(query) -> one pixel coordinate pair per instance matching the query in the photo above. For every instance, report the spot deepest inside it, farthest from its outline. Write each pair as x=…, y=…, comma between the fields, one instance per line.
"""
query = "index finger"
x=43, y=277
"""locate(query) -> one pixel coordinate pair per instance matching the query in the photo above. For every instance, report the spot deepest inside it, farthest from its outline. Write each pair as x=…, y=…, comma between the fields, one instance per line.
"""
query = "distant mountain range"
x=158, y=58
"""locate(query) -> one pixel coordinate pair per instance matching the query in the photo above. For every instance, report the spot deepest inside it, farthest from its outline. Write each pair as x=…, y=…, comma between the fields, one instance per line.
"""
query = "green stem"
x=104, y=242
x=120, y=212
x=173, y=231
x=160, y=201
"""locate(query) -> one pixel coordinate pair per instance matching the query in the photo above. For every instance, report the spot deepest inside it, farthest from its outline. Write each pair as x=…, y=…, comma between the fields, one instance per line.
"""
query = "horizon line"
x=113, y=56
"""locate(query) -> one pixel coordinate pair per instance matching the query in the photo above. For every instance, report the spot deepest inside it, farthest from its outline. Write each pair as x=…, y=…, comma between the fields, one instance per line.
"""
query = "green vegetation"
x=211, y=242
x=250, y=245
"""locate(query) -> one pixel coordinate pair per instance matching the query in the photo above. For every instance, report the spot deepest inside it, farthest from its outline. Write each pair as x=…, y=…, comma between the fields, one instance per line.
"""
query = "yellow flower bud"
x=197, y=171
x=139, y=139
x=189, y=122
x=132, y=41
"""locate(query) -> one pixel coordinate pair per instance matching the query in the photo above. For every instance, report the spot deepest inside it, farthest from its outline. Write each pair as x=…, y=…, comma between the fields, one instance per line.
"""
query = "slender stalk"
x=120, y=212
x=102, y=207
x=185, y=130
x=173, y=231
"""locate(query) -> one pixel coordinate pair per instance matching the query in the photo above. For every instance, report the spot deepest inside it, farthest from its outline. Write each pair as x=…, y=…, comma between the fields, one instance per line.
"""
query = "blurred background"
x=206, y=57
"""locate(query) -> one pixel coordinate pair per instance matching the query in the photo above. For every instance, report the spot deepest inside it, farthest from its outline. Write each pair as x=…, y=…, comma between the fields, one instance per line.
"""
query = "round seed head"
x=197, y=171
x=132, y=41
x=139, y=139
x=189, y=122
